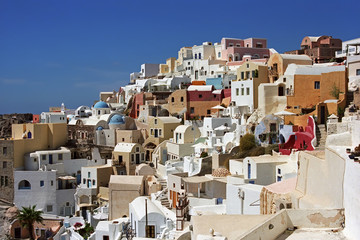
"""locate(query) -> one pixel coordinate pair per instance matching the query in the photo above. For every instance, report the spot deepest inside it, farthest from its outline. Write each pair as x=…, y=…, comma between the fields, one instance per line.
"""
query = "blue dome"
x=99, y=128
x=101, y=105
x=117, y=119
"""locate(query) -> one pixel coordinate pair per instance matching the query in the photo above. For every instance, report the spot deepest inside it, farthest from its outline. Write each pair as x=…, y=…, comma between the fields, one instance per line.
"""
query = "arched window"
x=24, y=184
x=182, y=99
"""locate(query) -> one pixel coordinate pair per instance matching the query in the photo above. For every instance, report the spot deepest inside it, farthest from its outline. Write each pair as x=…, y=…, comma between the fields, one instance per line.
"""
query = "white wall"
x=249, y=205
x=41, y=196
x=238, y=98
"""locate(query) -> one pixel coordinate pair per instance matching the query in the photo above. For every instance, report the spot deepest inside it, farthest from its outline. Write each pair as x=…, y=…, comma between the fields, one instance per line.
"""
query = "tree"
x=28, y=216
x=247, y=142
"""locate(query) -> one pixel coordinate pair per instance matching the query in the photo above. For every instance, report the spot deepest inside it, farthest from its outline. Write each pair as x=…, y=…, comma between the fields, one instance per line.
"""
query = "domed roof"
x=99, y=128
x=101, y=104
x=221, y=172
x=117, y=119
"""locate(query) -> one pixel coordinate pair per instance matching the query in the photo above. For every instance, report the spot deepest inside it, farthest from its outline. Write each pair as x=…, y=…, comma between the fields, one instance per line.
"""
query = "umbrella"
x=284, y=113
x=218, y=107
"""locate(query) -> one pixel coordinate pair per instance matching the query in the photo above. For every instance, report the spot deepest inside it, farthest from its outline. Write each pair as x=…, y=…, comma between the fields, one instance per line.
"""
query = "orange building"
x=321, y=91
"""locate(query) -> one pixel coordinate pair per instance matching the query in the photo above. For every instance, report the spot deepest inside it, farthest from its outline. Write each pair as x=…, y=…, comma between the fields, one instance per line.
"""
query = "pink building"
x=237, y=49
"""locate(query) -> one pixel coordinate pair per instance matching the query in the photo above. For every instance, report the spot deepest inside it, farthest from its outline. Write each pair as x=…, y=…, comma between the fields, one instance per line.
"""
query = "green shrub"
x=270, y=148
x=257, y=151
x=247, y=142
x=203, y=154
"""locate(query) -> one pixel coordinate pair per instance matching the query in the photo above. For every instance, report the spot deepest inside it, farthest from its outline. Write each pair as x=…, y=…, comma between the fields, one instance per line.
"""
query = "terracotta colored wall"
x=305, y=95
x=201, y=108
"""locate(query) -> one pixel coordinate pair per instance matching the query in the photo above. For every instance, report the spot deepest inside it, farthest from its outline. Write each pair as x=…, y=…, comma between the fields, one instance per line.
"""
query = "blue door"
x=249, y=171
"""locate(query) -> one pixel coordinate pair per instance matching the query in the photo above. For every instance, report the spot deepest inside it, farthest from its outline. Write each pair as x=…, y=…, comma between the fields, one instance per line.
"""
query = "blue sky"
x=70, y=50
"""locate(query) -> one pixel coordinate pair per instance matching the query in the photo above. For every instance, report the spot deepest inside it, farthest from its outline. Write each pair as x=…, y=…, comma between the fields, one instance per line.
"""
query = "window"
x=84, y=181
x=200, y=95
x=137, y=149
x=199, y=55
x=94, y=182
x=247, y=65
x=172, y=99
x=151, y=131
x=247, y=91
x=155, y=121
x=60, y=156
x=142, y=157
x=43, y=157
x=231, y=44
x=357, y=72
x=49, y=208
x=219, y=54
x=52, y=183
x=242, y=75
x=2, y=181
x=279, y=171
x=160, y=132
x=237, y=92
x=181, y=99
x=4, y=164
x=42, y=183
x=188, y=63
x=120, y=158
x=252, y=74
x=132, y=158
x=35, y=159
x=195, y=56
x=208, y=111
x=192, y=110
x=317, y=85
x=89, y=174
x=242, y=91
x=123, y=139
x=4, y=150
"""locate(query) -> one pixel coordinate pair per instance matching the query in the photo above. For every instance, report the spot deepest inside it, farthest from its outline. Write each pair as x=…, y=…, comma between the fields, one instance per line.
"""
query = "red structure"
x=36, y=118
x=300, y=140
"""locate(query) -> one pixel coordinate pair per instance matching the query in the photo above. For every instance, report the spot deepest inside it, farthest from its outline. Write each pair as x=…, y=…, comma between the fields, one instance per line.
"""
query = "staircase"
x=349, y=98
x=162, y=197
x=321, y=134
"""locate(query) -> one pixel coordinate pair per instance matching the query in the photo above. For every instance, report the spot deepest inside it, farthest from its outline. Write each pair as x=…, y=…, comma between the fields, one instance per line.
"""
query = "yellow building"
x=130, y=155
x=26, y=138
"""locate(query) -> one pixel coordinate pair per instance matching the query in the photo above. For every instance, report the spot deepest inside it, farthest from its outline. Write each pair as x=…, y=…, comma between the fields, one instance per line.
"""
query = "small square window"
x=123, y=139
x=208, y=111
x=242, y=91
x=4, y=150
x=192, y=110
x=200, y=95
x=155, y=121
x=4, y=164
x=317, y=85
x=49, y=208
x=42, y=183
x=35, y=159
x=60, y=156
x=43, y=157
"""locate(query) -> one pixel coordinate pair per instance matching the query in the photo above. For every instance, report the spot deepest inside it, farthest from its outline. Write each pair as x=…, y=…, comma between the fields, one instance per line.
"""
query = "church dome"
x=101, y=104
x=117, y=119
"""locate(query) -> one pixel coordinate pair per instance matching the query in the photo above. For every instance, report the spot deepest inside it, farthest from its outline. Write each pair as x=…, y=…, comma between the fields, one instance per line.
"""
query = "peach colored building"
x=278, y=63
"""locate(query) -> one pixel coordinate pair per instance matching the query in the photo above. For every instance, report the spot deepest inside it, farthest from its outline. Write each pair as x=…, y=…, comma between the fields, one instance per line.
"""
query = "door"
x=89, y=183
x=156, y=133
x=137, y=158
x=174, y=199
x=17, y=232
x=50, y=159
x=322, y=115
x=249, y=171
